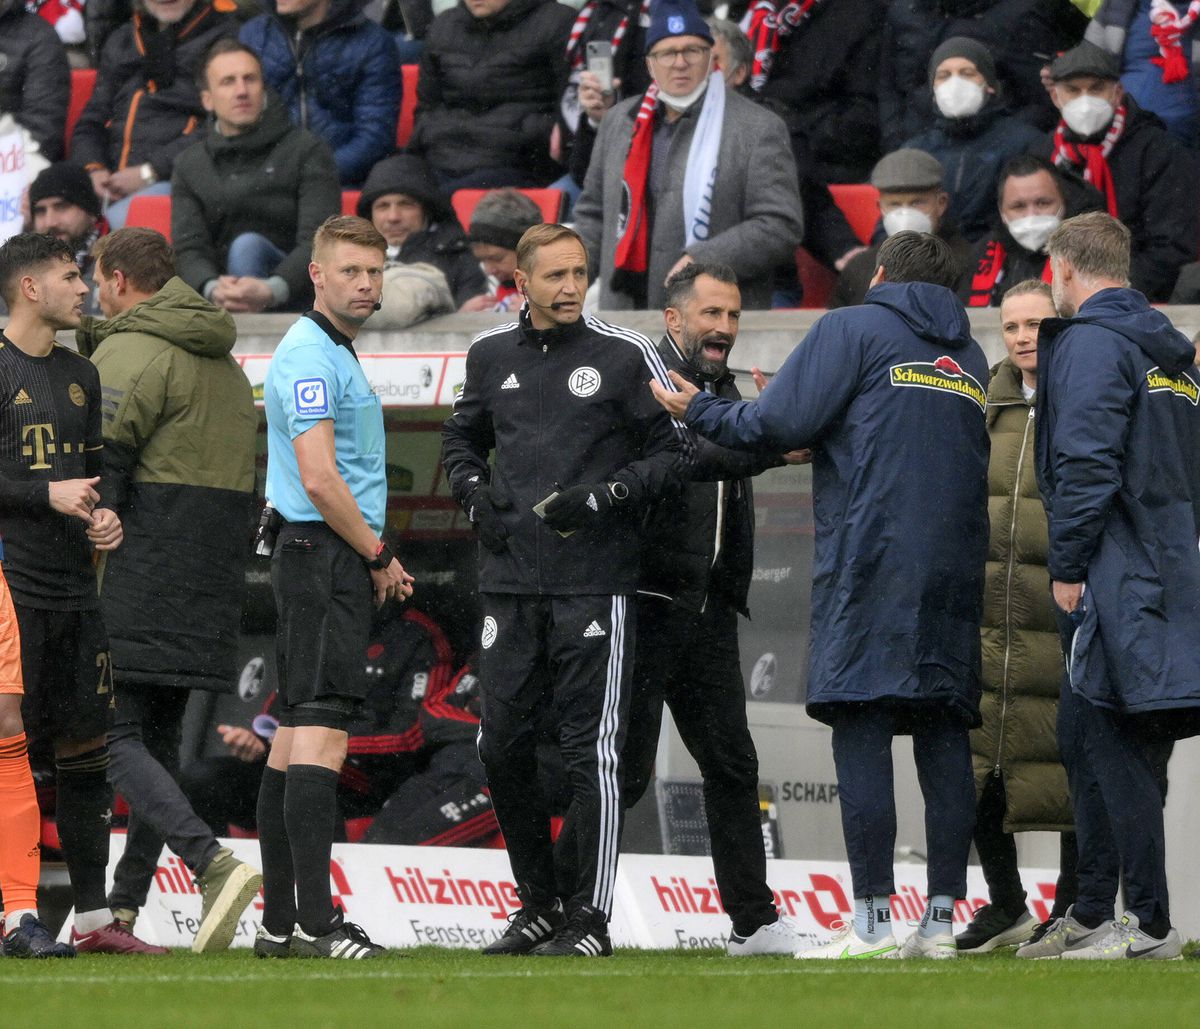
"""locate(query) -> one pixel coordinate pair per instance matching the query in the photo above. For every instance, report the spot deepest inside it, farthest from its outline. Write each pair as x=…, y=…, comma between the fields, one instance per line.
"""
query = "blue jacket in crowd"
x=891, y=397
x=339, y=79
x=1118, y=411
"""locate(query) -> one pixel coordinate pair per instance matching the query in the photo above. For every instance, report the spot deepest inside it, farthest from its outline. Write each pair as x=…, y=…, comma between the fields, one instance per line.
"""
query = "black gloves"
x=583, y=506
x=482, y=505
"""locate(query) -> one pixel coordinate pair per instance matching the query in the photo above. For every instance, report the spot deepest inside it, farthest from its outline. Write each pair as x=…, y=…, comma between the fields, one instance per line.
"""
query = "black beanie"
x=970, y=49
x=68, y=181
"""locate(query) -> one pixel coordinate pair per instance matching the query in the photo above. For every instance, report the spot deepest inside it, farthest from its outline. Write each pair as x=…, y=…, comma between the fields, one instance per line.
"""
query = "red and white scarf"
x=989, y=274
x=1092, y=158
x=1168, y=26
x=766, y=26
x=575, y=53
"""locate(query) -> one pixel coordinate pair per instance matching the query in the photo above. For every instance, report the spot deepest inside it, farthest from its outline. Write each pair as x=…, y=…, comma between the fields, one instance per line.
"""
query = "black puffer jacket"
x=35, y=82
x=680, y=539
x=489, y=89
x=146, y=109
x=276, y=179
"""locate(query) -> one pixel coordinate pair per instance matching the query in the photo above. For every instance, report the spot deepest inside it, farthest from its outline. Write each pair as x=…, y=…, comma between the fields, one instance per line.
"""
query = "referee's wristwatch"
x=383, y=558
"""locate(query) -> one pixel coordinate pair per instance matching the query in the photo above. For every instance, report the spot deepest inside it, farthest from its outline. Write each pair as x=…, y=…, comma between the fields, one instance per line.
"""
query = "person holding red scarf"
x=1146, y=177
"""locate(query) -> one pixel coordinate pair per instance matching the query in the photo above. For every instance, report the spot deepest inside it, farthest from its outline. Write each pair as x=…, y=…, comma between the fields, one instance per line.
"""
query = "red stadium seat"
x=549, y=202
x=350, y=201
x=83, y=81
x=151, y=213
x=408, y=104
x=859, y=202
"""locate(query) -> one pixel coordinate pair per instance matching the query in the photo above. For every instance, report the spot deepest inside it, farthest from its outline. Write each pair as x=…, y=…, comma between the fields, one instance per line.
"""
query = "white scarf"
x=700, y=177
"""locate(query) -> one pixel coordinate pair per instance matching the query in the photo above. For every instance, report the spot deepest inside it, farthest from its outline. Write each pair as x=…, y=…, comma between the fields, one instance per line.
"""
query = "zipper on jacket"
x=537, y=458
x=302, y=92
x=1012, y=564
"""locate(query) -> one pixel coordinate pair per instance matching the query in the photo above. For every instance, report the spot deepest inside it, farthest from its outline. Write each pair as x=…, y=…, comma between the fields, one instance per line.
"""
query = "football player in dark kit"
x=580, y=449
x=52, y=520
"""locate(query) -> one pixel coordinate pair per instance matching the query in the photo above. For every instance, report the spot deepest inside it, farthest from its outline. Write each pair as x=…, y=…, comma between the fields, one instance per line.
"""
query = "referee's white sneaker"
x=1126, y=939
x=937, y=947
x=848, y=945
x=780, y=937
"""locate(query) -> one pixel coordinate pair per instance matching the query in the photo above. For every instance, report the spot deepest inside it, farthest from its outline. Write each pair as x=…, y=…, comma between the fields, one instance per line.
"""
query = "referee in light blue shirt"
x=326, y=479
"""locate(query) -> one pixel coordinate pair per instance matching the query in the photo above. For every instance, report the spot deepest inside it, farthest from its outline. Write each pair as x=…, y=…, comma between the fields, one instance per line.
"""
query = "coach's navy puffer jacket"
x=340, y=80
x=891, y=397
x=1118, y=410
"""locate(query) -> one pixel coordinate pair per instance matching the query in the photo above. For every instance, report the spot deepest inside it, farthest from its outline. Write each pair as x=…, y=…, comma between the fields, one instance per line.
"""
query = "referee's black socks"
x=84, y=813
x=310, y=813
x=279, y=880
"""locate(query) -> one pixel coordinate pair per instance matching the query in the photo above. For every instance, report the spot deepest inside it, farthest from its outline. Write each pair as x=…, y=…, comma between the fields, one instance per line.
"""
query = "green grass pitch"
x=430, y=988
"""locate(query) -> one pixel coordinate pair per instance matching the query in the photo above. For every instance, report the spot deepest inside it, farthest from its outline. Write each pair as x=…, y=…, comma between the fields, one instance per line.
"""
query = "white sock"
x=89, y=921
x=938, y=917
x=12, y=919
x=873, y=917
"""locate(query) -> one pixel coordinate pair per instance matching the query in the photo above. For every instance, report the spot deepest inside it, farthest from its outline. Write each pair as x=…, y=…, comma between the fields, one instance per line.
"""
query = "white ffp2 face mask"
x=1033, y=231
x=682, y=103
x=900, y=219
x=957, y=97
x=1086, y=115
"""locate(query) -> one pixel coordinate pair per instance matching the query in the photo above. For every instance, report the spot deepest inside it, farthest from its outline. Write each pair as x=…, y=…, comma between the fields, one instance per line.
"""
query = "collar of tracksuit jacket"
x=677, y=361
x=558, y=336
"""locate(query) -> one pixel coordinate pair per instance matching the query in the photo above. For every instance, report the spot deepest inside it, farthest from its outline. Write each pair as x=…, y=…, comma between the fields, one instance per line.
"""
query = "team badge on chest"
x=584, y=382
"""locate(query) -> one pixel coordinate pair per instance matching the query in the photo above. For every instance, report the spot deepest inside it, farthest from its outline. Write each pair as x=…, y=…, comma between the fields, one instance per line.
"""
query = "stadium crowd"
x=1035, y=156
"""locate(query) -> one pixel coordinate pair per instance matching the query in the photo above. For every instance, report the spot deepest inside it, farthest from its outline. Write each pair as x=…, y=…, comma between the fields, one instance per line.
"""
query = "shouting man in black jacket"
x=561, y=399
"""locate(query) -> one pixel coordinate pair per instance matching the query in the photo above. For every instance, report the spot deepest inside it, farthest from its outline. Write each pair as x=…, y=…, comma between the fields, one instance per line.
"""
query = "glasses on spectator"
x=690, y=55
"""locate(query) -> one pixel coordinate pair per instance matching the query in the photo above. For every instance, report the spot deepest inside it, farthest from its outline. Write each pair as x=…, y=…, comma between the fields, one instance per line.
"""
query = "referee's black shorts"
x=325, y=601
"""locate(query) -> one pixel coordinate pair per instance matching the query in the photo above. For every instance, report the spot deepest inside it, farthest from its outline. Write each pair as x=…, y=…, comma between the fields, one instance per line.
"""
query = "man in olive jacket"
x=179, y=444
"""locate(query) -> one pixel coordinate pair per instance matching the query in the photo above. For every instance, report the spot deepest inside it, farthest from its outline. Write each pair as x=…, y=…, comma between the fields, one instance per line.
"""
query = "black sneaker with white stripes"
x=346, y=941
x=583, y=935
x=526, y=929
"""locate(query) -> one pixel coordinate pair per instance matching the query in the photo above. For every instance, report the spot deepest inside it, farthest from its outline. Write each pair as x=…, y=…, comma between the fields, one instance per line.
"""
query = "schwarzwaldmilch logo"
x=944, y=374
x=1182, y=385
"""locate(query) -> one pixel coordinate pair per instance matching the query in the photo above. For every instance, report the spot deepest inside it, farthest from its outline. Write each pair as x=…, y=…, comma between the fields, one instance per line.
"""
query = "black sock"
x=84, y=821
x=279, y=880
x=310, y=809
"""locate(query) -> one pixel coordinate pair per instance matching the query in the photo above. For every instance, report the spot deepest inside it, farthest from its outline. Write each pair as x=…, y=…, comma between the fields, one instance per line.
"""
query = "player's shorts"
x=325, y=601
x=68, y=674
x=11, y=679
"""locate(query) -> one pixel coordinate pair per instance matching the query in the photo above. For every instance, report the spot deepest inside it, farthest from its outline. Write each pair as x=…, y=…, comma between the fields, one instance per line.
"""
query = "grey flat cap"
x=906, y=169
x=1085, y=59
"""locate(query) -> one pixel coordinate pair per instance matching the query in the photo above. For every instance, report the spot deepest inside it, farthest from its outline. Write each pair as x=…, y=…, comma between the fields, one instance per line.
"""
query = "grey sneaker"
x=1065, y=934
x=226, y=887
x=1125, y=939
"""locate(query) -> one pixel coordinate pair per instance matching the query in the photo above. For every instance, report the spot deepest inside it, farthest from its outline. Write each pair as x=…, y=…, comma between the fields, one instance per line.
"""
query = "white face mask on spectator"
x=682, y=103
x=1033, y=231
x=899, y=219
x=1086, y=115
x=957, y=97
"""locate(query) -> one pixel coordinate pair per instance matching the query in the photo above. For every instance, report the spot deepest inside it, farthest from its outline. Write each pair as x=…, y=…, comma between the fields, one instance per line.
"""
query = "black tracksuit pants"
x=691, y=661
x=575, y=653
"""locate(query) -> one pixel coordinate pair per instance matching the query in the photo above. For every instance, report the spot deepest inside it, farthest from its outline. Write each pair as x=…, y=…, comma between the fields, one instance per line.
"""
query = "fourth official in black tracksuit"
x=566, y=410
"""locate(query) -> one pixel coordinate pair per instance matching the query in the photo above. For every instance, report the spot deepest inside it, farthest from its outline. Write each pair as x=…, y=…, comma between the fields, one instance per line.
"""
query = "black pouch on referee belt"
x=267, y=531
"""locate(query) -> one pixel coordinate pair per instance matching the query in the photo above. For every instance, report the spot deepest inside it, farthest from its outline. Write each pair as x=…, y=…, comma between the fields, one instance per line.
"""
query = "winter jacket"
x=1155, y=182
x=275, y=179
x=1022, y=658
x=1021, y=34
x=443, y=243
x=972, y=151
x=489, y=90
x=35, y=81
x=141, y=113
x=1118, y=412
x=680, y=559
x=826, y=79
x=890, y=395
x=855, y=278
x=179, y=446
x=562, y=407
x=340, y=80
x=756, y=220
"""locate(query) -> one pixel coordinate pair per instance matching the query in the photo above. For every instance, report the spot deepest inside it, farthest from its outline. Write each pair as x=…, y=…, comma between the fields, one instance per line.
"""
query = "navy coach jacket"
x=891, y=396
x=1118, y=442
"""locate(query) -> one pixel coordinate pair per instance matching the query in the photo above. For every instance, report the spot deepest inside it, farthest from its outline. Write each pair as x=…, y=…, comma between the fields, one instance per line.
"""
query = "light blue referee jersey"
x=310, y=379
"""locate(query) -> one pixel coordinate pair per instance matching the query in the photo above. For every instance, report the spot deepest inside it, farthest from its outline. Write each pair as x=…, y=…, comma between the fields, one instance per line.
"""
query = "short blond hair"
x=1096, y=244
x=346, y=228
x=1029, y=287
x=538, y=236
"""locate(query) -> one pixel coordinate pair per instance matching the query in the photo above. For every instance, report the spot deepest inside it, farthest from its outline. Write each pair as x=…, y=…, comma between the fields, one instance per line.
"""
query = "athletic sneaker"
x=114, y=938
x=780, y=937
x=992, y=928
x=267, y=945
x=583, y=935
x=1126, y=939
x=847, y=945
x=936, y=948
x=347, y=941
x=1064, y=934
x=31, y=939
x=527, y=928
x=226, y=887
